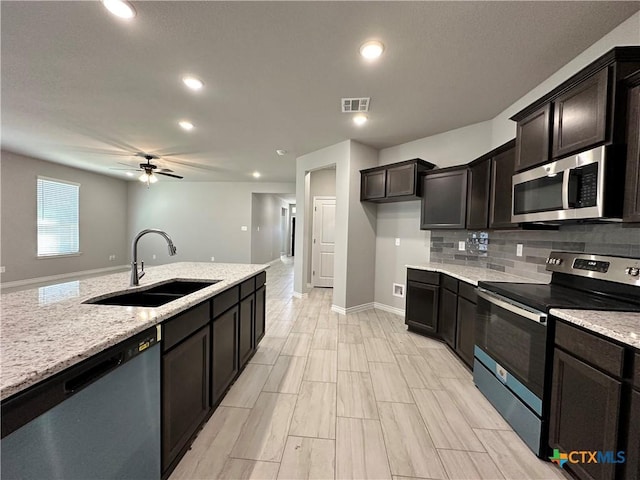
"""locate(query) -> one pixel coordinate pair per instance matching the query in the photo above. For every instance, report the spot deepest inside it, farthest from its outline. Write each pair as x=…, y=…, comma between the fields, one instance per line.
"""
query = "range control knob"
x=558, y=261
x=633, y=271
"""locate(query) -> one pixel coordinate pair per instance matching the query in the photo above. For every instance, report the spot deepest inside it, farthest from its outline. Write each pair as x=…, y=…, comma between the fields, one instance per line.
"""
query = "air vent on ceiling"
x=350, y=105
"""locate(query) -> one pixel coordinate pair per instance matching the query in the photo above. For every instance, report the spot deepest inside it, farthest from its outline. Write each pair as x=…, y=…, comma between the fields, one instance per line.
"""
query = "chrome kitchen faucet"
x=135, y=275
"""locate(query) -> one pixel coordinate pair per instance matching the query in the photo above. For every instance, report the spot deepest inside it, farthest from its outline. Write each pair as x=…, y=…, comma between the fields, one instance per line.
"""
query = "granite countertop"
x=48, y=329
x=621, y=326
x=472, y=275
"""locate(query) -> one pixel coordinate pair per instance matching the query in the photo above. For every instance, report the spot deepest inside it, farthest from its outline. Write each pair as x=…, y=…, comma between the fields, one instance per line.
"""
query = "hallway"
x=356, y=396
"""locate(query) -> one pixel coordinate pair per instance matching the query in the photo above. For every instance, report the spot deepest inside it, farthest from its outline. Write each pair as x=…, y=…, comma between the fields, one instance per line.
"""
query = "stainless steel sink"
x=154, y=296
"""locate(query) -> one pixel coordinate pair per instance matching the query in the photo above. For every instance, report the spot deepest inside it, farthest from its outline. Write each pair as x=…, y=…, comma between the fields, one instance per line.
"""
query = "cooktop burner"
x=546, y=296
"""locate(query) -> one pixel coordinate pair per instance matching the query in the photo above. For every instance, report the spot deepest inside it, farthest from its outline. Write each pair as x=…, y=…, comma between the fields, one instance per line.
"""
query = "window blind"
x=58, y=214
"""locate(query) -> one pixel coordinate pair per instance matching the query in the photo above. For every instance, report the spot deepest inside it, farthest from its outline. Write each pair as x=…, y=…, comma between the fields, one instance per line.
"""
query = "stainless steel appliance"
x=514, y=332
x=99, y=419
x=586, y=186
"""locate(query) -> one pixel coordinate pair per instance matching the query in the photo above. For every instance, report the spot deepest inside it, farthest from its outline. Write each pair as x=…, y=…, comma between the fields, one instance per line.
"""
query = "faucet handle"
x=141, y=274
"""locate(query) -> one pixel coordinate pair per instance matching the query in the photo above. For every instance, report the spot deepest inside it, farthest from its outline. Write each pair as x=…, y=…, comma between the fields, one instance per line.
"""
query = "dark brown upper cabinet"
x=479, y=185
x=580, y=116
x=502, y=170
x=444, y=199
x=532, y=139
x=396, y=182
x=587, y=110
x=632, y=187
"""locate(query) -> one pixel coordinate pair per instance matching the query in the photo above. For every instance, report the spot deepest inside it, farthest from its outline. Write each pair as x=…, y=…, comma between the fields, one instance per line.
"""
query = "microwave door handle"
x=570, y=183
x=565, y=189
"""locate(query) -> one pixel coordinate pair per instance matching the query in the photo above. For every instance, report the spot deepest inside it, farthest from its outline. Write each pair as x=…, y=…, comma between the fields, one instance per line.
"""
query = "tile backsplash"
x=604, y=239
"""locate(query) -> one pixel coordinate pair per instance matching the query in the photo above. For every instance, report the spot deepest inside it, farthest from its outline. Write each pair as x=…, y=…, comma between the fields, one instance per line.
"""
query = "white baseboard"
x=388, y=308
x=350, y=310
x=273, y=262
x=300, y=295
x=62, y=276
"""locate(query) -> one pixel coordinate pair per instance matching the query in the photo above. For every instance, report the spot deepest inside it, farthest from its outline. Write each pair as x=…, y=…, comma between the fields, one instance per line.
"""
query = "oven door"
x=514, y=336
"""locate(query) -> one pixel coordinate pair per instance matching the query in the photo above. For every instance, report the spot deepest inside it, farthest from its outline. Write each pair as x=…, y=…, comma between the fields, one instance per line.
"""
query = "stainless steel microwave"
x=586, y=186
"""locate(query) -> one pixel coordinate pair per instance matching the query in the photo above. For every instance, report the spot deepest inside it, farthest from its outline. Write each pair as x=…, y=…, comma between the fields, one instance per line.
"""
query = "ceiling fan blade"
x=178, y=161
x=167, y=174
x=127, y=169
x=165, y=170
x=127, y=164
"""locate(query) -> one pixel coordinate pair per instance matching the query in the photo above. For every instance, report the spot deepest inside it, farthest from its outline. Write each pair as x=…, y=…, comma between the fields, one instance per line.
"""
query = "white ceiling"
x=84, y=88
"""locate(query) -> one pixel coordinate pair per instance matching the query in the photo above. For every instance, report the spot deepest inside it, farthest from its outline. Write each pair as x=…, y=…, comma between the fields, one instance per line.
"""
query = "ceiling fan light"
x=144, y=177
x=153, y=178
x=120, y=8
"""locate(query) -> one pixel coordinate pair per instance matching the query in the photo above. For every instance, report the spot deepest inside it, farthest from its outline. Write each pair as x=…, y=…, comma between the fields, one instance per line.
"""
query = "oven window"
x=515, y=342
x=539, y=195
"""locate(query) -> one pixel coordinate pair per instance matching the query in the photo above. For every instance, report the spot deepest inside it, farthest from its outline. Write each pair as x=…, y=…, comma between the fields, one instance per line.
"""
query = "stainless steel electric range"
x=514, y=332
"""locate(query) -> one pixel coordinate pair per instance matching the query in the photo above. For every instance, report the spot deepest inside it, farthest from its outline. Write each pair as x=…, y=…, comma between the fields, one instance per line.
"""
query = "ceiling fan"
x=149, y=170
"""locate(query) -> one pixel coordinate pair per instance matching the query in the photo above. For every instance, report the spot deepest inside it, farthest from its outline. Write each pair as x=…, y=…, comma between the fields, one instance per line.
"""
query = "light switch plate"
x=461, y=245
x=244, y=228
x=397, y=242
x=518, y=250
x=213, y=259
x=2, y=269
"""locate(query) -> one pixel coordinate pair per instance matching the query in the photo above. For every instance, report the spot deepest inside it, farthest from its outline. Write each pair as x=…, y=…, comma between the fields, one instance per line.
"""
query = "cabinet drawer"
x=261, y=279
x=468, y=291
x=449, y=283
x=636, y=371
x=183, y=325
x=247, y=287
x=225, y=300
x=423, y=276
x=595, y=350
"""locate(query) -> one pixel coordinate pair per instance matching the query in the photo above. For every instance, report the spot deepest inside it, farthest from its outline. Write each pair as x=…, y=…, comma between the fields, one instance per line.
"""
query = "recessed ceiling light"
x=256, y=174
x=281, y=152
x=360, y=119
x=371, y=50
x=186, y=125
x=120, y=8
x=129, y=174
x=192, y=82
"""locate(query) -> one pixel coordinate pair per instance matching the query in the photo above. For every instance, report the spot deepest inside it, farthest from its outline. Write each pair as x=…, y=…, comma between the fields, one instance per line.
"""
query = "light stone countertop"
x=48, y=329
x=472, y=275
x=621, y=326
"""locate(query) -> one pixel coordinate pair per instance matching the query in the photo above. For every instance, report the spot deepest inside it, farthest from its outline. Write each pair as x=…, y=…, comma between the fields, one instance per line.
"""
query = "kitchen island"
x=48, y=329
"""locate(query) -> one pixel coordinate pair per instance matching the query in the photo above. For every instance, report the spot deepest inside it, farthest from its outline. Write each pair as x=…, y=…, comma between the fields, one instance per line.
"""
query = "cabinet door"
x=444, y=200
x=372, y=185
x=632, y=187
x=246, y=345
x=633, y=444
x=478, y=196
x=466, y=332
x=224, y=353
x=532, y=139
x=580, y=116
x=401, y=180
x=261, y=317
x=502, y=172
x=447, y=317
x=585, y=408
x=422, y=307
x=185, y=393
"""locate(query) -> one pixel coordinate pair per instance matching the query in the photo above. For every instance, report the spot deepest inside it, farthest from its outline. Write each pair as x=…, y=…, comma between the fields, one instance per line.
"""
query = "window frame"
x=56, y=255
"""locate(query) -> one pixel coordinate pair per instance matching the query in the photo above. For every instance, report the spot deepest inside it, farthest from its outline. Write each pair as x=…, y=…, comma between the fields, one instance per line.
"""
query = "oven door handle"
x=533, y=315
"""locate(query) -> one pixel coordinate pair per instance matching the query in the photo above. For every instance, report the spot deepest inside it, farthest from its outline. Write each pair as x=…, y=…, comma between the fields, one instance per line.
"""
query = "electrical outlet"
x=462, y=245
x=112, y=257
x=244, y=228
x=397, y=242
x=519, y=250
x=213, y=259
x=2, y=269
x=153, y=256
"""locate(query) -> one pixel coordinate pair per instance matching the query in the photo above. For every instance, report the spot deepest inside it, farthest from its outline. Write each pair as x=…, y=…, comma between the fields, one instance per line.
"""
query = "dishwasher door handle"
x=92, y=374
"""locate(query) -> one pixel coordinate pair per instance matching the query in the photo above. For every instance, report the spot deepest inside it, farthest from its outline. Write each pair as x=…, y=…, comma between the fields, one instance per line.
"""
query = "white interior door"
x=323, y=241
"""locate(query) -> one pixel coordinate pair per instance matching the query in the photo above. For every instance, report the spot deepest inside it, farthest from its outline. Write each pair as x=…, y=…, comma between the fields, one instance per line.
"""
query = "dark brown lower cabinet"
x=422, y=307
x=224, y=353
x=185, y=393
x=448, y=316
x=585, y=412
x=246, y=345
x=260, y=313
x=466, y=333
x=633, y=442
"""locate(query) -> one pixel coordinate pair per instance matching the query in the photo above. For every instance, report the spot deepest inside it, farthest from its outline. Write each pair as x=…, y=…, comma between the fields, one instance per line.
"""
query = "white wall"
x=457, y=147
x=266, y=227
x=103, y=212
x=204, y=219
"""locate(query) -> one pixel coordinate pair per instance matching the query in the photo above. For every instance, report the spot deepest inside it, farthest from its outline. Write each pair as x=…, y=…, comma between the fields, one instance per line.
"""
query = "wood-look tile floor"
x=353, y=397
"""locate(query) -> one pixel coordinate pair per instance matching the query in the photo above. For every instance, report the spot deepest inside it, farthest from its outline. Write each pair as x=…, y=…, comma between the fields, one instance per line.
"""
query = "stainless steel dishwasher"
x=97, y=420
